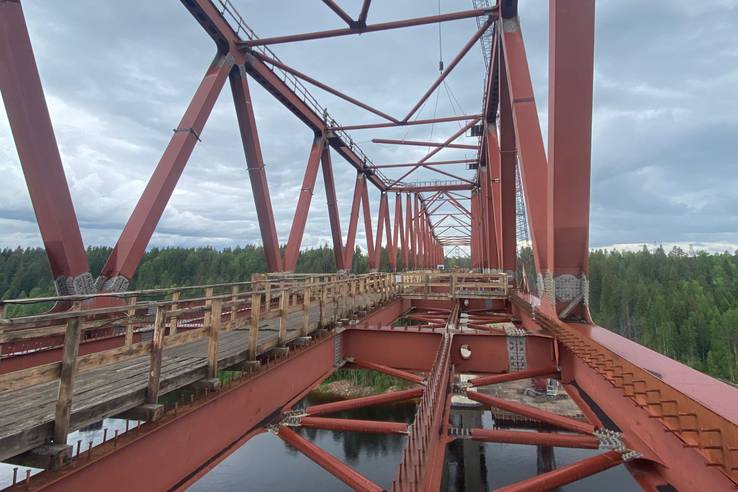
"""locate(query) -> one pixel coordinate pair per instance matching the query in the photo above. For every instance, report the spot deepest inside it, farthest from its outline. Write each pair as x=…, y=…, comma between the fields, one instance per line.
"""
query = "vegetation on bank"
x=681, y=304
x=375, y=382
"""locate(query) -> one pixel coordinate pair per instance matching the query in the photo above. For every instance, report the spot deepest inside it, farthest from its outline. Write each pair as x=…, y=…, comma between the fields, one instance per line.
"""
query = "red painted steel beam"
x=336, y=467
x=423, y=188
x=211, y=19
x=418, y=238
x=397, y=234
x=426, y=164
x=536, y=174
x=353, y=425
x=420, y=21
x=366, y=401
x=323, y=86
x=513, y=376
x=292, y=249
x=450, y=175
x=163, y=455
x=423, y=143
x=427, y=121
x=340, y=12
x=333, y=215
x=476, y=253
x=391, y=371
x=277, y=87
x=257, y=173
x=364, y=12
x=536, y=438
x=374, y=260
x=531, y=412
x=430, y=154
x=368, y=231
x=508, y=163
x=348, y=252
x=571, y=67
x=30, y=123
x=388, y=227
x=494, y=198
x=410, y=233
x=486, y=215
x=567, y=474
x=452, y=64
x=131, y=245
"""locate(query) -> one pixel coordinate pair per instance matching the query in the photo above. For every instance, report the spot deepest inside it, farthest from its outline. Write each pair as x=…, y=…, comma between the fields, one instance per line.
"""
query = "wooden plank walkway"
x=27, y=414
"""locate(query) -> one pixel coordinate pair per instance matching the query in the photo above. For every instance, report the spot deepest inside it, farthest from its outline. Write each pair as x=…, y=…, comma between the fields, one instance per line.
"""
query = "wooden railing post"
x=130, y=321
x=254, y=328
x=323, y=305
x=152, y=391
x=452, y=290
x=336, y=293
x=305, y=311
x=216, y=310
x=62, y=416
x=284, y=300
x=235, y=289
x=352, y=286
x=173, y=320
x=267, y=296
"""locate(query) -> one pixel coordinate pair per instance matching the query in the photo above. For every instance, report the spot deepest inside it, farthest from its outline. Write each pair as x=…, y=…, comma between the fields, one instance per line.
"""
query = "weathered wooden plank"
x=213, y=335
x=152, y=391
x=66, y=381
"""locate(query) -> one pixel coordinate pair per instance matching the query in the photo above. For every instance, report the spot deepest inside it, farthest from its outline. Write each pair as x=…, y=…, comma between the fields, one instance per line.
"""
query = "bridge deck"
x=27, y=415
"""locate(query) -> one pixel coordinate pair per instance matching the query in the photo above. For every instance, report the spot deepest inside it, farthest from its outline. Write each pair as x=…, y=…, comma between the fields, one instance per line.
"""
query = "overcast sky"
x=119, y=75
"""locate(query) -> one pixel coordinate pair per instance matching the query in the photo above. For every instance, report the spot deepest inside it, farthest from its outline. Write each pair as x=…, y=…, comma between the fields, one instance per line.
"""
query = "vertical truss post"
x=474, y=246
x=348, y=252
x=388, y=228
x=292, y=249
x=398, y=233
x=34, y=138
x=508, y=162
x=571, y=65
x=427, y=247
x=333, y=216
x=418, y=234
x=410, y=232
x=494, y=197
x=367, y=221
x=131, y=245
x=537, y=175
x=255, y=163
x=376, y=257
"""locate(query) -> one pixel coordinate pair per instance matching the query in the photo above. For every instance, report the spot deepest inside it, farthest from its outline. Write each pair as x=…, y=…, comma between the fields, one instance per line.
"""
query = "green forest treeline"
x=682, y=305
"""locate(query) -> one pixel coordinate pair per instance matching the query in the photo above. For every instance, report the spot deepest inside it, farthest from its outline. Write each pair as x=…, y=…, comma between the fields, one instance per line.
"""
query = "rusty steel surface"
x=155, y=453
x=670, y=425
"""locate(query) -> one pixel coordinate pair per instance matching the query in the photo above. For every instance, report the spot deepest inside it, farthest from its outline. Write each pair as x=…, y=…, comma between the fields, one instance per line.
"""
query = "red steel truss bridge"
x=103, y=350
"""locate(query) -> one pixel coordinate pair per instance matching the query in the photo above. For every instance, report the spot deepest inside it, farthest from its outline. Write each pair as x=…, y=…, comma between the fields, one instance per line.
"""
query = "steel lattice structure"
x=284, y=333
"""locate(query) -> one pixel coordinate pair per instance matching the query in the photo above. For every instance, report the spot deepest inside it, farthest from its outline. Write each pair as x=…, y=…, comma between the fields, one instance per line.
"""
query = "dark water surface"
x=267, y=463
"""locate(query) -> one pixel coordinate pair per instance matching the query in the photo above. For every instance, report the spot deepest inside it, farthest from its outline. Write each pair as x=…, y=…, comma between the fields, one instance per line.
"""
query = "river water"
x=267, y=463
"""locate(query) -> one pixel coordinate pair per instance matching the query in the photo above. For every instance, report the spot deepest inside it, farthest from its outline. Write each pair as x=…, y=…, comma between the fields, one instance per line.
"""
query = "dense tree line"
x=682, y=305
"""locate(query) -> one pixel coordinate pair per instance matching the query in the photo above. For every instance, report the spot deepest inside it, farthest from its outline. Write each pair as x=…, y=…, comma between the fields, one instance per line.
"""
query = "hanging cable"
x=440, y=41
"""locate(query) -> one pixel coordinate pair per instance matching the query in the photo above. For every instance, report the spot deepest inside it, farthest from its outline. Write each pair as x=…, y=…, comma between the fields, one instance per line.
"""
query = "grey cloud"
x=119, y=75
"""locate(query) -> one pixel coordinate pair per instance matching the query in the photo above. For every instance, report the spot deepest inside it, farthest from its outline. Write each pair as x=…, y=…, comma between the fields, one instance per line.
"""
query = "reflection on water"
x=267, y=463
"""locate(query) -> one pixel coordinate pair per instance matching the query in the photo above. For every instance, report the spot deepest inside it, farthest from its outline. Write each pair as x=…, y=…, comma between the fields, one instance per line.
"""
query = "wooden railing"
x=453, y=285
x=147, y=322
x=151, y=320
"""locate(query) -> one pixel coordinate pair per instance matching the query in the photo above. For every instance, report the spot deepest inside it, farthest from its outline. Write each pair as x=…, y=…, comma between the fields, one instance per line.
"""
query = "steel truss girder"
x=38, y=152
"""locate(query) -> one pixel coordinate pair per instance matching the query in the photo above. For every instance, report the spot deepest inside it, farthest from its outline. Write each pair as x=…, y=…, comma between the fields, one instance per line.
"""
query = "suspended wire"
x=440, y=41
x=435, y=114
